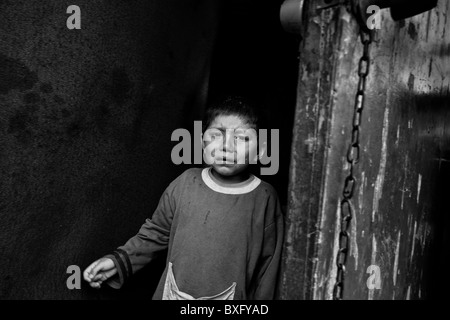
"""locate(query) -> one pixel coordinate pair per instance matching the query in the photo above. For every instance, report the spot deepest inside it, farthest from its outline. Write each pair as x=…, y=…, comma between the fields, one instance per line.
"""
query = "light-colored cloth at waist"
x=171, y=291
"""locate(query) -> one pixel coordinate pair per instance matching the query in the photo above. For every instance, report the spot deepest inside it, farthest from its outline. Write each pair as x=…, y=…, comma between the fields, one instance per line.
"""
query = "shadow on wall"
x=433, y=118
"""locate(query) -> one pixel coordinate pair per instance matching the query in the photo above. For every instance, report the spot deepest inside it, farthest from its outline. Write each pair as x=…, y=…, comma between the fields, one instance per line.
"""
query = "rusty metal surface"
x=401, y=222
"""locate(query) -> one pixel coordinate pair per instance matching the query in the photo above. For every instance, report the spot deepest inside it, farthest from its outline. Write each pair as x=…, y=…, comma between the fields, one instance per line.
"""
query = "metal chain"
x=353, y=154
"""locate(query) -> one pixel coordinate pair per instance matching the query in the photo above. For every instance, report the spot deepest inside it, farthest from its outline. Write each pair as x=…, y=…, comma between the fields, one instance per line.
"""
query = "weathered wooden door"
x=398, y=235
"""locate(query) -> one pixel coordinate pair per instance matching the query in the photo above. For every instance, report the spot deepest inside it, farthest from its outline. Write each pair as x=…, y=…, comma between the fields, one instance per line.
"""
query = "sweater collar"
x=252, y=184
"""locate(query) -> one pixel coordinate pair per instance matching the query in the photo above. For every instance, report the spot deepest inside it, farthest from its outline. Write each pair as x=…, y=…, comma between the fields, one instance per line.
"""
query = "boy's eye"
x=214, y=134
x=242, y=138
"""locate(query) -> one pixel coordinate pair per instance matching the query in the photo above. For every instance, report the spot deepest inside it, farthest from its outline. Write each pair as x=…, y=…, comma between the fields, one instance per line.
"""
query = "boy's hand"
x=99, y=271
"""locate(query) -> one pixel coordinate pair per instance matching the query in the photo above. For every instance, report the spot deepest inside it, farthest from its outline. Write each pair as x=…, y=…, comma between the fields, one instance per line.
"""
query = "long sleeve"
x=148, y=243
x=266, y=278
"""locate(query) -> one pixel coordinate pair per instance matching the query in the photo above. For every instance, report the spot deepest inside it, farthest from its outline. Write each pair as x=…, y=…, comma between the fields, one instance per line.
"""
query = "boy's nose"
x=228, y=144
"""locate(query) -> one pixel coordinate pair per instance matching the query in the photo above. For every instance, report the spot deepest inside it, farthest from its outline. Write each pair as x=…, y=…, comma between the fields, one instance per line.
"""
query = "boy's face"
x=229, y=144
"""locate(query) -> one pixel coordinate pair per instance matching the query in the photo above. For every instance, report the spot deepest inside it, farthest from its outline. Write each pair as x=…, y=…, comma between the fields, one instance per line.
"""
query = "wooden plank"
x=400, y=224
x=308, y=154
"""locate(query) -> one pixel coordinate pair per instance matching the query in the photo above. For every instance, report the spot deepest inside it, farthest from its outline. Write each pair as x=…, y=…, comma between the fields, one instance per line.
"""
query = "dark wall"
x=85, y=123
x=254, y=57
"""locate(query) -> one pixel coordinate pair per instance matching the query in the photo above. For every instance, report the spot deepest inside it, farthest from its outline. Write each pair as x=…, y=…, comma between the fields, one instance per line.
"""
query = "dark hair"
x=233, y=105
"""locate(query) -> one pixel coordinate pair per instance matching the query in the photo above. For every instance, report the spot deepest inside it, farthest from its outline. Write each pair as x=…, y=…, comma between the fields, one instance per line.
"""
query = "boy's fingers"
x=87, y=274
x=96, y=285
x=103, y=276
x=96, y=269
x=100, y=277
x=110, y=273
x=86, y=277
x=97, y=277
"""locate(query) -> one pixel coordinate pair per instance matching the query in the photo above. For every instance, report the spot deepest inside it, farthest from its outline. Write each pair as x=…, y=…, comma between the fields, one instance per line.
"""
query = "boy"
x=221, y=225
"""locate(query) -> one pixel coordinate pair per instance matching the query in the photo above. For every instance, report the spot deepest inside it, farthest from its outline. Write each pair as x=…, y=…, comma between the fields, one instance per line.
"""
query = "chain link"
x=353, y=157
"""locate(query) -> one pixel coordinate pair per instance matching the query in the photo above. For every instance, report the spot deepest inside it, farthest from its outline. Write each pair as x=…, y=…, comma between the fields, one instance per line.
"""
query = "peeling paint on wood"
x=398, y=136
x=373, y=262
x=413, y=242
x=404, y=188
x=353, y=241
x=381, y=171
x=397, y=252
x=333, y=266
x=419, y=185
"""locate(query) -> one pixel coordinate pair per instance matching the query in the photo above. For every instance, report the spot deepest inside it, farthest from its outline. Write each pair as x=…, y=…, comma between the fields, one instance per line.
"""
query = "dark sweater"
x=215, y=237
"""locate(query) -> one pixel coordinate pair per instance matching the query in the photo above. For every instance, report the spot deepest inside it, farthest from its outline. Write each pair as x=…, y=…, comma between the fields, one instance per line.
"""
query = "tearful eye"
x=242, y=138
x=214, y=136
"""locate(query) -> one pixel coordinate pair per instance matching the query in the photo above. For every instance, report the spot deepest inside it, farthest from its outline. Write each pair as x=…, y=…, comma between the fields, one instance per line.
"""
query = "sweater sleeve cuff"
x=123, y=266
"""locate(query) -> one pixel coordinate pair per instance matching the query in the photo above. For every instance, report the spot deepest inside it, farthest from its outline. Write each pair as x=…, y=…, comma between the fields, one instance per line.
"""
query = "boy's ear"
x=201, y=141
x=262, y=150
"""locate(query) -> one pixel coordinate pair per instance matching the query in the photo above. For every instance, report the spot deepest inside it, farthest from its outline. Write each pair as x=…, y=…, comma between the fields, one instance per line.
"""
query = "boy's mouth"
x=225, y=160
